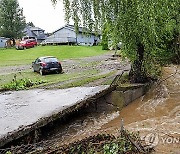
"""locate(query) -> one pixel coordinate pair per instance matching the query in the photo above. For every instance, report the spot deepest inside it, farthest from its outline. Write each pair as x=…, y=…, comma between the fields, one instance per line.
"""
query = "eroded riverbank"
x=155, y=115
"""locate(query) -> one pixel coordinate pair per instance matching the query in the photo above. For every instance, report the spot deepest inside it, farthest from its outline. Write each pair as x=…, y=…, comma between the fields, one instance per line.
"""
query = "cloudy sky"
x=43, y=14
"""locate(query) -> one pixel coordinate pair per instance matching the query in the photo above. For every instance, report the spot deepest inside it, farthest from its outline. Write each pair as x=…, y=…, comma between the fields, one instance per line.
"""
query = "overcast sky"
x=43, y=14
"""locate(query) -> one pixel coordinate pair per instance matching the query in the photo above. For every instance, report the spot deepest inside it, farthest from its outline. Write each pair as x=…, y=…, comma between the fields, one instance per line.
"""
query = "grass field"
x=10, y=57
x=72, y=77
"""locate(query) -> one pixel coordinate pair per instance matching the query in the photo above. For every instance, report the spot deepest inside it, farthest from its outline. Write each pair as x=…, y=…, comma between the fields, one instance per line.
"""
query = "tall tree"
x=147, y=29
x=12, y=21
x=30, y=24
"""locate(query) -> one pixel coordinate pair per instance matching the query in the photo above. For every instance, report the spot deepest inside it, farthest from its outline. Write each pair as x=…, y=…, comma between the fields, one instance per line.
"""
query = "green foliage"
x=111, y=148
x=12, y=21
x=149, y=30
x=20, y=84
x=104, y=42
x=106, y=144
x=30, y=24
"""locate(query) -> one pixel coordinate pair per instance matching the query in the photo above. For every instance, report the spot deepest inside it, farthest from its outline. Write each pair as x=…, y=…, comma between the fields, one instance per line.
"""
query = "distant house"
x=3, y=42
x=34, y=32
x=67, y=35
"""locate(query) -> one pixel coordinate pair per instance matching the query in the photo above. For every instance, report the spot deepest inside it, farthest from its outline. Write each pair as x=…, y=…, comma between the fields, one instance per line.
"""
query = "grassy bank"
x=10, y=57
x=48, y=79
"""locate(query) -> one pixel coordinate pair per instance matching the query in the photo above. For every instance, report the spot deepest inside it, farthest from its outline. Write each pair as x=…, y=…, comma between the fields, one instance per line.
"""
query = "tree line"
x=148, y=29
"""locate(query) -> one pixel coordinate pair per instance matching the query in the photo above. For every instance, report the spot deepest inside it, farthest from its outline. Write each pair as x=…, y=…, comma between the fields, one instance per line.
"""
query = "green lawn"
x=49, y=79
x=10, y=57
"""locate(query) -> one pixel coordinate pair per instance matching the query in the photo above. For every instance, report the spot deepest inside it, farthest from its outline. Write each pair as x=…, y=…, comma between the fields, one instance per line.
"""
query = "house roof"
x=72, y=28
x=36, y=29
x=4, y=38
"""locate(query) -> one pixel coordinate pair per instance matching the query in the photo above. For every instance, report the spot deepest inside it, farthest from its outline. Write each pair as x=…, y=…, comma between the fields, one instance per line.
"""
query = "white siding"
x=86, y=39
x=67, y=35
x=2, y=42
x=64, y=33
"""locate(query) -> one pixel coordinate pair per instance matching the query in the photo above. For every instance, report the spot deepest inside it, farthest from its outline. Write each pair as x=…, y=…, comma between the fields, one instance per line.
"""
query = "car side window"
x=37, y=61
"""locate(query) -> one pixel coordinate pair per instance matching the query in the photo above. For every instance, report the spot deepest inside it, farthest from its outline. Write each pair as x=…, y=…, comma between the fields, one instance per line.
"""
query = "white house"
x=67, y=35
x=3, y=42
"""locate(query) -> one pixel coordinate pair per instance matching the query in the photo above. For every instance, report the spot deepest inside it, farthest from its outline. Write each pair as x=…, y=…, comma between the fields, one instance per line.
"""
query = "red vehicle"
x=30, y=43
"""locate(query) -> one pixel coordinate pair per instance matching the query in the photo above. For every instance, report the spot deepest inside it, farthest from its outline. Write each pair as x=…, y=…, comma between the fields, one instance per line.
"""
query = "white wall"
x=63, y=33
x=2, y=43
x=66, y=35
x=86, y=40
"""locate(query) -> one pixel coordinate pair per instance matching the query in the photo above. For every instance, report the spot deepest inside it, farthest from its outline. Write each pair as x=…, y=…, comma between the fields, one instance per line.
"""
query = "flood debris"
x=125, y=143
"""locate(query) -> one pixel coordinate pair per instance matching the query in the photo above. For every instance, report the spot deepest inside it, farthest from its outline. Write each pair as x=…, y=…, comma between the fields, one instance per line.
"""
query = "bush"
x=20, y=84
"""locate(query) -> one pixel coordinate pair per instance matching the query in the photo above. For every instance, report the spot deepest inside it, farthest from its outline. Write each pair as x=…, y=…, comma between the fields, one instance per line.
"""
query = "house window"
x=40, y=32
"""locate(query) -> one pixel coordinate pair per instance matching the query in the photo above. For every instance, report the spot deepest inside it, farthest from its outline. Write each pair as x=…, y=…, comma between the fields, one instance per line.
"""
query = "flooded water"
x=157, y=113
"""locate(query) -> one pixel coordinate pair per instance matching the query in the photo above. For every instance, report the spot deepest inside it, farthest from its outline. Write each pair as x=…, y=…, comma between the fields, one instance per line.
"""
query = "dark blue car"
x=47, y=64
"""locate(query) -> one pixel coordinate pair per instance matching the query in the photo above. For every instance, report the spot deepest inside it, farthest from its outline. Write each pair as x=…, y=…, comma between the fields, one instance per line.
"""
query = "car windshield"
x=48, y=60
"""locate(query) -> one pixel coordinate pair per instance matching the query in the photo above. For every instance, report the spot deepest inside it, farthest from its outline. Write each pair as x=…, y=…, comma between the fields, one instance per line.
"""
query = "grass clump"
x=20, y=84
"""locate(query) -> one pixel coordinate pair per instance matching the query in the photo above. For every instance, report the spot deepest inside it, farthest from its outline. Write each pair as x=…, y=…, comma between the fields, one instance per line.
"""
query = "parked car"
x=47, y=64
x=30, y=43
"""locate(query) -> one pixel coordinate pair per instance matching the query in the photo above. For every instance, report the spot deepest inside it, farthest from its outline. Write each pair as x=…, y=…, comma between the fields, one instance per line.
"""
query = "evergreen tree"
x=30, y=24
x=12, y=21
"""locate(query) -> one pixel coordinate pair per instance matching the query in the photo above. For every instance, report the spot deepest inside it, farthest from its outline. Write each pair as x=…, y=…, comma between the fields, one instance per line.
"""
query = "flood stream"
x=156, y=114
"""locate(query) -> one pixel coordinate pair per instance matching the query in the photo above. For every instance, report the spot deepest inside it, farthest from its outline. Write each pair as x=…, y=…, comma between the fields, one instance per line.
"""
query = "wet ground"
x=155, y=116
x=21, y=109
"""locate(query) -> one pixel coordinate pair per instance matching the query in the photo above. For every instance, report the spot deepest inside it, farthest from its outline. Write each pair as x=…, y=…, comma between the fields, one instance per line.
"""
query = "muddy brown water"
x=157, y=113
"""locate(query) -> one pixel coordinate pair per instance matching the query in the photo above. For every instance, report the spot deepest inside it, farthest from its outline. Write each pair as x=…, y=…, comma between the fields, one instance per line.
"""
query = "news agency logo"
x=154, y=139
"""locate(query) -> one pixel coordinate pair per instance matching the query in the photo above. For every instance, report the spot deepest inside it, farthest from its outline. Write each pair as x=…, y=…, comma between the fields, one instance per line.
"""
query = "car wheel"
x=58, y=71
x=41, y=72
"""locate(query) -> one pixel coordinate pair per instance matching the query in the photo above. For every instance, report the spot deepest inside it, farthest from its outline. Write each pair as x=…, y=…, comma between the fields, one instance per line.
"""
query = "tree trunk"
x=137, y=74
x=177, y=47
x=14, y=42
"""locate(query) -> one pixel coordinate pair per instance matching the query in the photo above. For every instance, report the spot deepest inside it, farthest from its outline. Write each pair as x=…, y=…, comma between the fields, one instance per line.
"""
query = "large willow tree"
x=148, y=29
